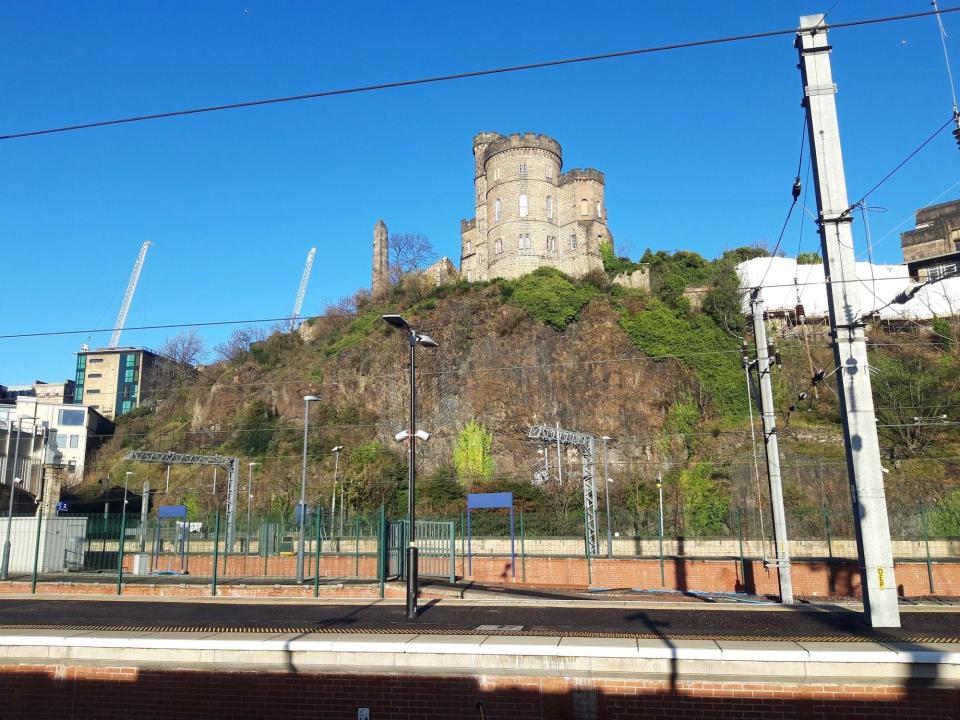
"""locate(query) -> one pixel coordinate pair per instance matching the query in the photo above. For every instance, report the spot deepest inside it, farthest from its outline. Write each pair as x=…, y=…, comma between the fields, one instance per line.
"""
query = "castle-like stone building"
x=529, y=213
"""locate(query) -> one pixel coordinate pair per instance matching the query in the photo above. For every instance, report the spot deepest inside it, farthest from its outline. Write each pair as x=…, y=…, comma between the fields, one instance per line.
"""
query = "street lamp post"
x=307, y=399
x=4, y=570
x=411, y=435
x=333, y=500
x=660, y=493
x=606, y=495
x=246, y=549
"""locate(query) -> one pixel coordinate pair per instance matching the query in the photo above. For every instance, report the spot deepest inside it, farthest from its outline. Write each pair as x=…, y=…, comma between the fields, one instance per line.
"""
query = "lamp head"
x=426, y=341
x=17, y=481
x=606, y=437
x=396, y=321
x=337, y=449
x=310, y=398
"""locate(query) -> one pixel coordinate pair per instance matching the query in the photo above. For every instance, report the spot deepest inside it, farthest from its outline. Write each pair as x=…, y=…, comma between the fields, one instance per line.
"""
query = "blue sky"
x=699, y=146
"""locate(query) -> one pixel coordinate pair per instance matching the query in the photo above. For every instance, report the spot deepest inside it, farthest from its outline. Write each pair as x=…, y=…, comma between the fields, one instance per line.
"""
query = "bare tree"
x=239, y=342
x=186, y=347
x=409, y=252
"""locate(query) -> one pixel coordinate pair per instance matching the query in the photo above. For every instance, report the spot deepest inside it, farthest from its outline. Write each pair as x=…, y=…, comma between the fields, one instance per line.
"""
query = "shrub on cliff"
x=696, y=341
x=551, y=297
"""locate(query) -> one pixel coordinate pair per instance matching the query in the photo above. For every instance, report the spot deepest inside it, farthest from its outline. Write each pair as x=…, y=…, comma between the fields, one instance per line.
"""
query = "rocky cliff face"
x=495, y=365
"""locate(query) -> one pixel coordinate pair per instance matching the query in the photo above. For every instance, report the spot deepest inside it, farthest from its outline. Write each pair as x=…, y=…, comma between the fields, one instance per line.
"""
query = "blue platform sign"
x=62, y=507
x=172, y=511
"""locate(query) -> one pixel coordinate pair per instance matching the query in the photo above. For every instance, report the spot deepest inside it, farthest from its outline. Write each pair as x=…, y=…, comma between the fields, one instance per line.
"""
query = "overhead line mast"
x=128, y=295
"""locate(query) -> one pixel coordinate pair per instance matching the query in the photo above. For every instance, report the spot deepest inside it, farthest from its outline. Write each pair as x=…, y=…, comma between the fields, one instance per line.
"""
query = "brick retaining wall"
x=63, y=691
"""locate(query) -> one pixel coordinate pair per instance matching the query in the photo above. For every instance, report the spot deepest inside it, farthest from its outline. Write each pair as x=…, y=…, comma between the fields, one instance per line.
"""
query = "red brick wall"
x=60, y=692
x=839, y=578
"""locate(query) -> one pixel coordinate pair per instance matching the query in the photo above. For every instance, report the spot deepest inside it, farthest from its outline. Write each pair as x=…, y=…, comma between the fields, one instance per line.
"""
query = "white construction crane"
x=128, y=295
x=302, y=292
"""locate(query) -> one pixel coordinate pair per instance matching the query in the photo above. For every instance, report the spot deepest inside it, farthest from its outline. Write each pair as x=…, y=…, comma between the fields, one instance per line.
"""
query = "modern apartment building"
x=114, y=381
x=34, y=433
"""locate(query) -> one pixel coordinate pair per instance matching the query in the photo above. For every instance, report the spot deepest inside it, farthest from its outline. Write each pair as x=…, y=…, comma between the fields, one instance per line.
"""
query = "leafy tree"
x=945, y=518
x=910, y=387
x=696, y=341
x=256, y=428
x=943, y=336
x=706, y=500
x=551, y=297
x=239, y=342
x=722, y=301
x=615, y=265
x=809, y=258
x=372, y=475
x=440, y=493
x=472, y=455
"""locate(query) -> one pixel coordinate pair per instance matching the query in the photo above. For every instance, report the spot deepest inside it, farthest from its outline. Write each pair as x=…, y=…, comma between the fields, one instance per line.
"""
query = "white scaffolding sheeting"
x=878, y=285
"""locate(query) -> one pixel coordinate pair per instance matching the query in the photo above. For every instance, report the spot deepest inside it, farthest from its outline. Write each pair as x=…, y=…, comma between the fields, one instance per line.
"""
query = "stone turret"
x=380, y=283
x=530, y=214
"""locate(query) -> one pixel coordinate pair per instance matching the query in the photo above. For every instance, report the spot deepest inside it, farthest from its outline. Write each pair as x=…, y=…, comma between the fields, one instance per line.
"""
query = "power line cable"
x=465, y=75
x=903, y=162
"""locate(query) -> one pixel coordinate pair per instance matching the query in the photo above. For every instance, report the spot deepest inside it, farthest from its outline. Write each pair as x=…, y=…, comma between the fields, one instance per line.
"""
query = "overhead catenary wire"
x=682, y=45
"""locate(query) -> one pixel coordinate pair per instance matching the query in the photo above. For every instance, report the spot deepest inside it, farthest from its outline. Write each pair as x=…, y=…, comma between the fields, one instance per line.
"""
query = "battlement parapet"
x=582, y=174
x=519, y=141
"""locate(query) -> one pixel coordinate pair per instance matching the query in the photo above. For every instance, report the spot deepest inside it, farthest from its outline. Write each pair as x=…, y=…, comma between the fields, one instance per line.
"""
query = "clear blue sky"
x=699, y=146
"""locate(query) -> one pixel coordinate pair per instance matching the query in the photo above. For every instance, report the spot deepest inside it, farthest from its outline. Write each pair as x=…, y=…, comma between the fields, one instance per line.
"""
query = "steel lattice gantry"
x=584, y=442
x=230, y=464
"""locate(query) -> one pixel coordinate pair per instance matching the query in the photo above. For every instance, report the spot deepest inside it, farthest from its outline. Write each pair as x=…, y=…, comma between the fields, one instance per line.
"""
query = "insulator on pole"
x=796, y=189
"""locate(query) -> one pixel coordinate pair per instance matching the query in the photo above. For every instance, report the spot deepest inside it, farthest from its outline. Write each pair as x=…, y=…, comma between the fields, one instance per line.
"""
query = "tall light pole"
x=4, y=570
x=246, y=549
x=413, y=339
x=307, y=399
x=660, y=493
x=333, y=499
x=606, y=494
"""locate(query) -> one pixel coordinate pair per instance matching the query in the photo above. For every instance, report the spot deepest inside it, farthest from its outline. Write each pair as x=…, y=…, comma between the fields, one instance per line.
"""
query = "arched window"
x=551, y=243
x=497, y=211
x=584, y=207
x=496, y=175
x=599, y=210
x=549, y=207
x=498, y=246
x=524, y=208
x=469, y=248
x=573, y=242
x=549, y=171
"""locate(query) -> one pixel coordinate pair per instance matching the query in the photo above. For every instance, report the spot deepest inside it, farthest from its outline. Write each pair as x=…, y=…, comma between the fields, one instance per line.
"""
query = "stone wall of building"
x=530, y=214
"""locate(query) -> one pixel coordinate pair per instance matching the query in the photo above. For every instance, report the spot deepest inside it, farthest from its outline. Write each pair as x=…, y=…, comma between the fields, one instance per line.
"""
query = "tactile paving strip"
x=434, y=630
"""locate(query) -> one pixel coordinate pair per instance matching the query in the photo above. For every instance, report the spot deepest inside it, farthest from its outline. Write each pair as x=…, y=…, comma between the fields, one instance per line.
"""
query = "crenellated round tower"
x=528, y=212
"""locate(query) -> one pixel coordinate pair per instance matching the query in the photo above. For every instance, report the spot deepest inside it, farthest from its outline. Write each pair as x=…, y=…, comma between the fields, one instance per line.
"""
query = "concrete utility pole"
x=772, y=445
x=847, y=328
x=144, y=509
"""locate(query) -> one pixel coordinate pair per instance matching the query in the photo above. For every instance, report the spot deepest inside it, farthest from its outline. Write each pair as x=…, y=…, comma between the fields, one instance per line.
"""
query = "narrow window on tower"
x=524, y=209
x=469, y=248
x=551, y=243
x=523, y=169
x=573, y=242
x=584, y=207
x=498, y=246
x=599, y=210
x=497, y=211
x=524, y=241
x=496, y=175
x=549, y=207
x=549, y=171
